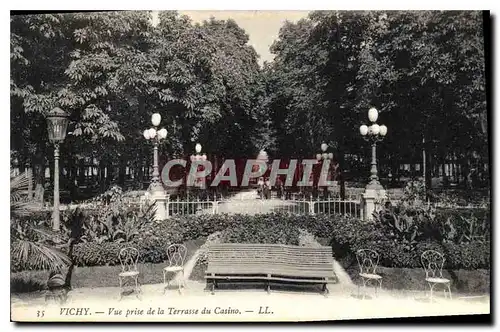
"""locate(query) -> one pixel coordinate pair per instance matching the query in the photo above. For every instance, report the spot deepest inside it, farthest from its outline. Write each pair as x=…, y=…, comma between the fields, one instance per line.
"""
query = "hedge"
x=152, y=246
x=93, y=254
x=468, y=256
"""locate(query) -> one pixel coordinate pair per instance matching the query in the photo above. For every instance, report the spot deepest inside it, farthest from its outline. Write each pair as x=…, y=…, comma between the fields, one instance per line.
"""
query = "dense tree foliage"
x=112, y=70
x=423, y=70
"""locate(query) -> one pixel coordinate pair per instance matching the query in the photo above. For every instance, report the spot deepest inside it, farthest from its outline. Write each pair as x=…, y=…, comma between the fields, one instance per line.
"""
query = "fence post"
x=311, y=206
x=167, y=208
x=214, y=205
x=198, y=206
x=361, y=208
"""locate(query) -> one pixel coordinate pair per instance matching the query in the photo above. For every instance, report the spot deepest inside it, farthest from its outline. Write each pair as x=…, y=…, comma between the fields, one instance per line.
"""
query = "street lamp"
x=324, y=155
x=156, y=136
x=373, y=133
x=321, y=157
x=57, y=124
x=198, y=156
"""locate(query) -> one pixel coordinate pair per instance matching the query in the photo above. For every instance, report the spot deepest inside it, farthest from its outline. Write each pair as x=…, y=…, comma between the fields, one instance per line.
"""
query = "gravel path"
x=236, y=305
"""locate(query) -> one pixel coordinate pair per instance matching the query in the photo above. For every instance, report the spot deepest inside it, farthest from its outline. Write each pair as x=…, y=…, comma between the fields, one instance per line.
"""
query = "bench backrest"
x=270, y=259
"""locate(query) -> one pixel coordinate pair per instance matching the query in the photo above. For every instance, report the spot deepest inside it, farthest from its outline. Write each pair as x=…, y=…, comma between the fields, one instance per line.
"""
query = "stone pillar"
x=161, y=199
x=370, y=198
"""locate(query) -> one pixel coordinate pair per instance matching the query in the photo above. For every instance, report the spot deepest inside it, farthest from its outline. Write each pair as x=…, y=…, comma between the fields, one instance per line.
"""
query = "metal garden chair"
x=128, y=260
x=176, y=254
x=433, y=262
x=368, y=261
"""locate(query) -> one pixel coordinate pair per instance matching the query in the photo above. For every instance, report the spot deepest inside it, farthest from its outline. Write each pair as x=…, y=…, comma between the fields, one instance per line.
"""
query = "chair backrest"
x=128, y=259
x=367, y=260
x=176, y=254
x=433, y=262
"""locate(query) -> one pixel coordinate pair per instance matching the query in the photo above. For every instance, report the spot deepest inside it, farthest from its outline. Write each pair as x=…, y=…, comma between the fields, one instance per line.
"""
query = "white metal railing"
x=350, y=207
x=456, y=206
x=178, y=207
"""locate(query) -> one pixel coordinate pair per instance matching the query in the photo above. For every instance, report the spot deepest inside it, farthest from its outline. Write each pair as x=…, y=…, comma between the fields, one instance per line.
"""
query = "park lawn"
x=97, y=276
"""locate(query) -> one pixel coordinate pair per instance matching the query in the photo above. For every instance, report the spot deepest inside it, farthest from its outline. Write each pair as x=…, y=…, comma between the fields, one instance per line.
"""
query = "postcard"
x=236, y=166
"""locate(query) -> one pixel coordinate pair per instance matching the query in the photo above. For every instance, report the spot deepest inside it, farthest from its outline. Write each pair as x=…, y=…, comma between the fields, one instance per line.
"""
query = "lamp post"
x=321, y=157
x=374, y=134
x=198, y=156
x=57, y=124
x=156, y=136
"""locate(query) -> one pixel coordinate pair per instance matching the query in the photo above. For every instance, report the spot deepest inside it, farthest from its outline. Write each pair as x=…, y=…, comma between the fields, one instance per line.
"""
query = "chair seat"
x=173, y=268
x=437, y=280
x=129, y=274
x=370, y=276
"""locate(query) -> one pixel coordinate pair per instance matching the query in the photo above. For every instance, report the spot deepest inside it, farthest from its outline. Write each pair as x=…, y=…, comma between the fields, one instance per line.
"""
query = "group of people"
x=264, y=188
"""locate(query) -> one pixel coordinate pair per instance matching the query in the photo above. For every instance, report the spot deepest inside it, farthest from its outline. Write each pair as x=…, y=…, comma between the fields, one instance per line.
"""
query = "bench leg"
x=325, y=290
x=213, y=287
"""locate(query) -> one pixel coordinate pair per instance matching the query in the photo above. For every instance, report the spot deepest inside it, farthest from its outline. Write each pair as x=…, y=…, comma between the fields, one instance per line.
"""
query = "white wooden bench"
x=271, y=263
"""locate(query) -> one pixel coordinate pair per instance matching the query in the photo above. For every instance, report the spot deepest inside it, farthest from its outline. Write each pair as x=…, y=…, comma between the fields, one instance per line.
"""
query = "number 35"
x=40, y=313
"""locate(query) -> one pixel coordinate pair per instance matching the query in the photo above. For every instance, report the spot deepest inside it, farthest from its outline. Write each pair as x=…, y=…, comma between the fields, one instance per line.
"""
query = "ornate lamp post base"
x=161, y=198
x=155, y=187
x=372, y=197
x=374, y=185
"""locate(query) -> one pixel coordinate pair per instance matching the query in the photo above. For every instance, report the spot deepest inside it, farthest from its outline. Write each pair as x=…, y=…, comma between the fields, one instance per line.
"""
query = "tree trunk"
x=121, y=173
x=427, y=167
x=444, y=176
x=341, y=174
x=38, y=164
x=30, y=181
x=81, y=170
x=69, y=272
x=140, y=175
x=71, y=178
x=102, y=176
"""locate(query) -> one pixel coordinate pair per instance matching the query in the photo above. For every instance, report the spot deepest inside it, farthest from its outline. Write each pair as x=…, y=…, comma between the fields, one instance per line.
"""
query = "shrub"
x=469, y=256
x=465, y=225
x=460, y=197
x=151, y=250
x=97, y=254
x=306, y=239
x=265, y=228
x=410, y=224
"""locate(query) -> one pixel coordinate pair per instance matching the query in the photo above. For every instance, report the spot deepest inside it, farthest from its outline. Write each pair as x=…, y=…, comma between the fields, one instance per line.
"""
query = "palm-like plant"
x=29, y=247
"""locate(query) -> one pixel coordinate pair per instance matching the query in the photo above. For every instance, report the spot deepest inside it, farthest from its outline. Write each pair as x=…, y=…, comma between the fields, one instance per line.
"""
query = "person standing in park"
x=260, y=188
x=279, y=187
x=267, y=189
